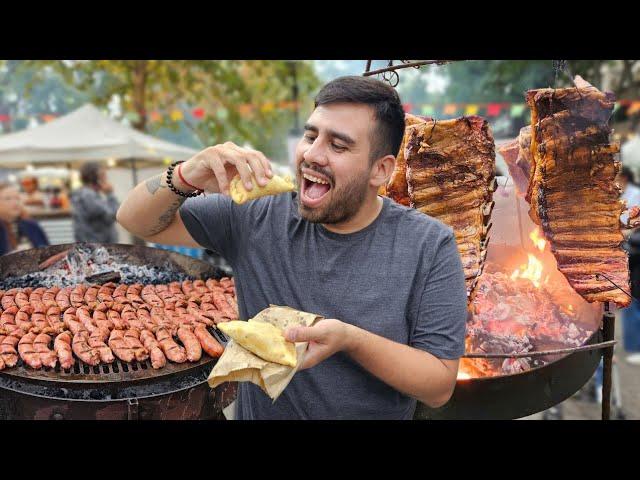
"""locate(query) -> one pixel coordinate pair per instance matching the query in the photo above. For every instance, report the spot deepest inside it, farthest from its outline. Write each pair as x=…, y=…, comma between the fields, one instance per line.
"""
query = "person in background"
x=630, y=194
x=630, y=152
x=94, y=207
x=32, y=197
x=631, y=314
x=16, y=231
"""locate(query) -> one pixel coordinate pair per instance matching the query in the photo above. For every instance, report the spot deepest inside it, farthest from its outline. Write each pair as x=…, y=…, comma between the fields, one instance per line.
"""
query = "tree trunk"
x=139, y=80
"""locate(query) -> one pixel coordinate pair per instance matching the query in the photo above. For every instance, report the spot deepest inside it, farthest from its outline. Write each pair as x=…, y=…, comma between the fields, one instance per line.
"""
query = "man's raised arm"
x=150, y=210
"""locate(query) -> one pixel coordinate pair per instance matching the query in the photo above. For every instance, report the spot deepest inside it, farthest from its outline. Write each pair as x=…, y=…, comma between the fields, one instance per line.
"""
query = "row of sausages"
x=100, y=323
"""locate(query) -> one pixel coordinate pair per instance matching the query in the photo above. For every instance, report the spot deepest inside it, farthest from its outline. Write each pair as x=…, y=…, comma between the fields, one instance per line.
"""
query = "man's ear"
x=382, y=170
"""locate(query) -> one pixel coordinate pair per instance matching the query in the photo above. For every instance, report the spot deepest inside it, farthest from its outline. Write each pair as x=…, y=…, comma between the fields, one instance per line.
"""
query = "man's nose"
x=316, y=153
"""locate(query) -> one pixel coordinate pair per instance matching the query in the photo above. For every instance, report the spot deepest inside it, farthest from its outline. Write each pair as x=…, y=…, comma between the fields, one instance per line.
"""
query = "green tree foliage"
x=48, y=95
x=478, y=81
x=221, y=88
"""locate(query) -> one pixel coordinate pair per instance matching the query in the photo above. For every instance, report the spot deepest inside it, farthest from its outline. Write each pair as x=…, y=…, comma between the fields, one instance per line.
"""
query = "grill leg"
x=608, y=330
x=133, y=411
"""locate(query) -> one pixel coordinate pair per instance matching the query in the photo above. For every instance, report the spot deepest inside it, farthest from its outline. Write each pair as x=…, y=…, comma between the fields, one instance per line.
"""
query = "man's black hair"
x=89, y=173
x=386, y=104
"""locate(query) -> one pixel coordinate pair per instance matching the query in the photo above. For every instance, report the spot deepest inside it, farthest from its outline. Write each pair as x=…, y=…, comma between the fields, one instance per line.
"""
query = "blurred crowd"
x=93, y=209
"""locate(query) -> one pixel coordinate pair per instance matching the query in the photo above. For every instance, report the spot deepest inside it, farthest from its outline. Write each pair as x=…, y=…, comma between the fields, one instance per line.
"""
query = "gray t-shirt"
x=400, y=277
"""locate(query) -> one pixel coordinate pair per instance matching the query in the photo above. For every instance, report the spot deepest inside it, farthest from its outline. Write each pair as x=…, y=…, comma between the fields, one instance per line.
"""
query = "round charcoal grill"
x=119, y=390
x=521, y=394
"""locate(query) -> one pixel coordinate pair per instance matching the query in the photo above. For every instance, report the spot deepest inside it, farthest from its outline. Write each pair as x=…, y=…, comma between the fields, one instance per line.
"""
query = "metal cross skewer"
x=615, y=285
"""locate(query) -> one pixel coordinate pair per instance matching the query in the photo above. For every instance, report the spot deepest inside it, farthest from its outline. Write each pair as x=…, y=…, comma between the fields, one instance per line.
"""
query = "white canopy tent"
x=82, y=135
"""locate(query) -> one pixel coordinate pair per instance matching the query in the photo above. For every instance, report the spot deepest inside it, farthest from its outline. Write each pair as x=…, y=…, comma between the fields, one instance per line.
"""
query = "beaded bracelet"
x=174, y=189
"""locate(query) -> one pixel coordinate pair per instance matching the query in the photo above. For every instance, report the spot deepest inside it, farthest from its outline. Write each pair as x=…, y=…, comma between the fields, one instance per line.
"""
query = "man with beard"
x=388, y=279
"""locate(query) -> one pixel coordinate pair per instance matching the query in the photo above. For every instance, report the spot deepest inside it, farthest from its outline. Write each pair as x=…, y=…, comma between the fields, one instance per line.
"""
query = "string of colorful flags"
x=493, y=109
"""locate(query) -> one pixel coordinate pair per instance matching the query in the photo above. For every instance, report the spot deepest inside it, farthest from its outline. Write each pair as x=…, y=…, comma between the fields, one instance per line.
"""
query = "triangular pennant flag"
x=198, y=113
x=471, y=109
x=517, y=109
x=493, y=109
x=427, y=110
x=245, y=109
x=267, y=107
x=176, y=115
x=450, y=109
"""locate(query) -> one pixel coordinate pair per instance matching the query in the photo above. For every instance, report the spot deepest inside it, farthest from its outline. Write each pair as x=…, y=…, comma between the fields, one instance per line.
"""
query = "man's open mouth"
x=314, y=189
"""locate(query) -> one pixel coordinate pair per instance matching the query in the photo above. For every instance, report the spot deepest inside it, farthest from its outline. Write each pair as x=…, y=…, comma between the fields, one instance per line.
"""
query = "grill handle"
x=133, y=409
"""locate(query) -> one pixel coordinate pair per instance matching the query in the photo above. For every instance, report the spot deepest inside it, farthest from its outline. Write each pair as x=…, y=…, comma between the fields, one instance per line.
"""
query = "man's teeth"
x=314, y=179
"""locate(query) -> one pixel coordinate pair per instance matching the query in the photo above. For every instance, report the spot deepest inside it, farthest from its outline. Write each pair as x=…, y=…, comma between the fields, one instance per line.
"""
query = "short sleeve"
x=210, y=221
x=440, y=326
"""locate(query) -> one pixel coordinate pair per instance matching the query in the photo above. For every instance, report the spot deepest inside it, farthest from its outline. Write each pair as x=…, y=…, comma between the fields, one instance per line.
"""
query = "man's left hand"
x=325, y=338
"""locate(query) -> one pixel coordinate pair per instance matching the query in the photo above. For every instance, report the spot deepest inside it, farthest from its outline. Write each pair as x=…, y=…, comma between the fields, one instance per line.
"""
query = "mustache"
x=326, y=173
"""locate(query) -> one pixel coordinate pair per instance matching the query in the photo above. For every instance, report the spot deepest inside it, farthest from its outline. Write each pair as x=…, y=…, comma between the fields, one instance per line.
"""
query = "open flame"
x=537, y=240
x=533, y=269
x=463, y=375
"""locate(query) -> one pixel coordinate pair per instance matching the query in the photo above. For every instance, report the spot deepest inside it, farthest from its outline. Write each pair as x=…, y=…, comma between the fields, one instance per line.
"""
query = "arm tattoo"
x=167, y=217
x=154, y=183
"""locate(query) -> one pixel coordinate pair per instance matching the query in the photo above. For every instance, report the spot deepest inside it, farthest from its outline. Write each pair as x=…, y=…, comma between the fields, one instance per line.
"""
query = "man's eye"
x=338, y=148
x=309, y=138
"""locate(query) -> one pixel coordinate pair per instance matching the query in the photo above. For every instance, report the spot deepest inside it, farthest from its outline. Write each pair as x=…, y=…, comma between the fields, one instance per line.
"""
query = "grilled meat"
x=574, y=171
x=450, y=176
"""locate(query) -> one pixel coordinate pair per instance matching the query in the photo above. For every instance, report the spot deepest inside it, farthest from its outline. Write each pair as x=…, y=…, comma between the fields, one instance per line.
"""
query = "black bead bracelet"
x=173, y=188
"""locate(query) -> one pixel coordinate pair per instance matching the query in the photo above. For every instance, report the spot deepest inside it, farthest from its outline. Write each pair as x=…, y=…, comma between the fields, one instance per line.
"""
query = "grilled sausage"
x=116, y=319
x=21, y=299
x=7, y=301
x=8, y=317
x=101, y=320
x=48, y=357
x=62, y=298
x=132, y=339
x=23, y=318
x=28, y=352
x=191, y=343
x=82, y=350
x=83, y=315
x=173, y=351
x=158, y=360
x=119, y=346
x=53, y=317
x=71, y=321
x=62, y=346
x=49, y=297
x=8, y=348
x=96, y=341
x=39, y=320
x=208, y=342
x=77, y=295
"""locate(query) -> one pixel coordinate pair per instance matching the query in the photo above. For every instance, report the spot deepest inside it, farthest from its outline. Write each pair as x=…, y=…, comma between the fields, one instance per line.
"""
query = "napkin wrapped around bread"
x=275, y=186
x=259, y=353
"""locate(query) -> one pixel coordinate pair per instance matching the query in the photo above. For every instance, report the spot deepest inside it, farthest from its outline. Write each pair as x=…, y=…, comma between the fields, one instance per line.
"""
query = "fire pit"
x=532, y=341
x=119, y=390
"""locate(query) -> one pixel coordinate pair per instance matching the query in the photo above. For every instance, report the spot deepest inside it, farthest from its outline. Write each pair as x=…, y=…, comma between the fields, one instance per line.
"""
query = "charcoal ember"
x=515, y=365
x=80, y=263
x=101, y=256
x=483, y=341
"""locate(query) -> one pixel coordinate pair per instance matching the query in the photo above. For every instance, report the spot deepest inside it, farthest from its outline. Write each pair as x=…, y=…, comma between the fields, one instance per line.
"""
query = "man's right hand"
x=213, y=168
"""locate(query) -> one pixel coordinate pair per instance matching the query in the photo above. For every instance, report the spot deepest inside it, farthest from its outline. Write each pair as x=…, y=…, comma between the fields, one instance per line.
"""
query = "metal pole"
x=134, y=172
x=294, y=94
x=608, y=330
